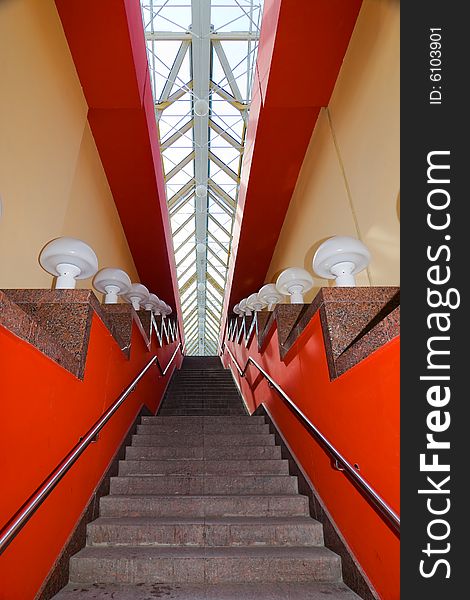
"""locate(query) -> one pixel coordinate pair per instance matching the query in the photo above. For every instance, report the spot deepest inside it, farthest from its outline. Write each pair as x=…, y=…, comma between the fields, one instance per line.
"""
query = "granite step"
x=222, y=591
x=192, y=427
x=203, y=452
x=181, y=564
x=281, y=505
x=203, y=467
x=211, y=439
x=204, y=508
x=226, y=421
x=195, y=485
x=200, y=531
x=200, y=411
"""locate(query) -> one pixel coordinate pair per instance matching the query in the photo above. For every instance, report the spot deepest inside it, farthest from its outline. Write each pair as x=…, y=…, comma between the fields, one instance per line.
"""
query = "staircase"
x=204, y=508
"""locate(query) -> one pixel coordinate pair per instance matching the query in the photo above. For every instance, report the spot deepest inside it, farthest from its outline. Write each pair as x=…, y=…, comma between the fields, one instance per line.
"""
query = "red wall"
x=359, y=414
x=44, y=411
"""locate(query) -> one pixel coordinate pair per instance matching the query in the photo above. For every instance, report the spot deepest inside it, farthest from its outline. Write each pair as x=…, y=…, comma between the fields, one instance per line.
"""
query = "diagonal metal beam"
x=179, y=166
x=170, y=82
x=180, y=193
x=177, y=135
x=221, y=227
x=226, y=136
x=227, y=69
x=241, y=106
x=227, y=170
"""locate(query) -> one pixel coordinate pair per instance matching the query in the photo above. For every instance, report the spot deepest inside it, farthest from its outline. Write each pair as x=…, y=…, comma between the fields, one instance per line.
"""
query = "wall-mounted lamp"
x=244, y=308
x=68, y=259
x=271, y=295
x=152, y=302
x=294, y=282
x=255, y=303
x=136, y=295
x=112, y=283
x=340, y=258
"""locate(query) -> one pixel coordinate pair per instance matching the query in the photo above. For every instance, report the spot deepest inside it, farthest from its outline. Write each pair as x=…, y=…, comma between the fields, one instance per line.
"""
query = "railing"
x=341, y=463
x=19, y=520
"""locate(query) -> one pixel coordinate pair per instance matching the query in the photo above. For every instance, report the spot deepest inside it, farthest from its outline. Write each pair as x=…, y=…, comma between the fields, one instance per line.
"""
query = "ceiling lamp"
x=340, y=258
x=201, y=190
x=68, y=259
x=201, y=107
x=294, y=282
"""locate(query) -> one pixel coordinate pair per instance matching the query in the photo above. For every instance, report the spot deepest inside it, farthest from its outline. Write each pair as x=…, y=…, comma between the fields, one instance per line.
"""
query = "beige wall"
x=349, y=181
x=52, y=182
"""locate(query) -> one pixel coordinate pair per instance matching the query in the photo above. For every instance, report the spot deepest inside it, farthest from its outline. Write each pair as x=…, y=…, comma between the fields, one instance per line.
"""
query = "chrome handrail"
x=379, y=503
x=17, y=522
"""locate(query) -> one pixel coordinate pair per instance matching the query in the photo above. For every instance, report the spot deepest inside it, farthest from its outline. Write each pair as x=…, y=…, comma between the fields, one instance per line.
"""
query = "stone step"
x=203, y=452
x=201, y=411
x=226, y=421
x=203, y=467
x=211, y=439
x=140, y=564
x=221, y=591
x=203, y=484
x=283, y=505
x=197, y=402
x=192, y=404
x=228, y=531
x=185, y=428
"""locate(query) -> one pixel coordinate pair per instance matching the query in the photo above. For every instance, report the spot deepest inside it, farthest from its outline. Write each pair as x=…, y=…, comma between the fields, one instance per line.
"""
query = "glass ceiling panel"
x=201, y=56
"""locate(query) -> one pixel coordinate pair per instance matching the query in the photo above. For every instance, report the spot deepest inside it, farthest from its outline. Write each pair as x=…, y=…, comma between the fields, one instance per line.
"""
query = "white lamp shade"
x=112, y=283
x=165, y=309
x=254, y=302
x=294, y=282
x=136, y=295
x=271, y=295
x=69, y=259
x=244, y=308
x=340, y=258
x=201, y=107
x=152, y=302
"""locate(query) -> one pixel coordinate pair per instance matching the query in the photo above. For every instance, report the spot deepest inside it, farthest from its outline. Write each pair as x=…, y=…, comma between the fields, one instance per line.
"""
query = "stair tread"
x=224, y=591
x=242, y=520
x=182, y=552
x=204, y=508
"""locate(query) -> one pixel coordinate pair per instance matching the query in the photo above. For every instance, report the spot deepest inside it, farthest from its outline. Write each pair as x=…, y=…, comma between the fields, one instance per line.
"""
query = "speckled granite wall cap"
x=58, y=323
x=355, y=322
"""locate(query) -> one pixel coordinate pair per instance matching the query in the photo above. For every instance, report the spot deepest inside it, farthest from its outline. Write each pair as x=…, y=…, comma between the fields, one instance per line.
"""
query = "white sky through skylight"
x=201, y=49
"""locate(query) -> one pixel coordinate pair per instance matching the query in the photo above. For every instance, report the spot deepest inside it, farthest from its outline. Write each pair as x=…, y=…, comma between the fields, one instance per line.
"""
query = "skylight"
x=201, y=55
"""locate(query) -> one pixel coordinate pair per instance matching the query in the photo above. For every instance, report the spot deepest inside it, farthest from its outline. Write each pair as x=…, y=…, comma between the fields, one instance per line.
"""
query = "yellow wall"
x=349, y=181
x=52, y=182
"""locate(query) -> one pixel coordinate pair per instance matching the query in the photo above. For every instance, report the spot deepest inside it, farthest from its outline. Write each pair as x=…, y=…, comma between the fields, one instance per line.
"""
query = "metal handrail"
x=379, y=503
x=19, y=520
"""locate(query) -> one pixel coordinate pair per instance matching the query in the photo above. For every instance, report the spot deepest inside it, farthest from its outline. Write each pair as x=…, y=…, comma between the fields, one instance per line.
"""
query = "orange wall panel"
x=44, y=410
x=359, y=414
